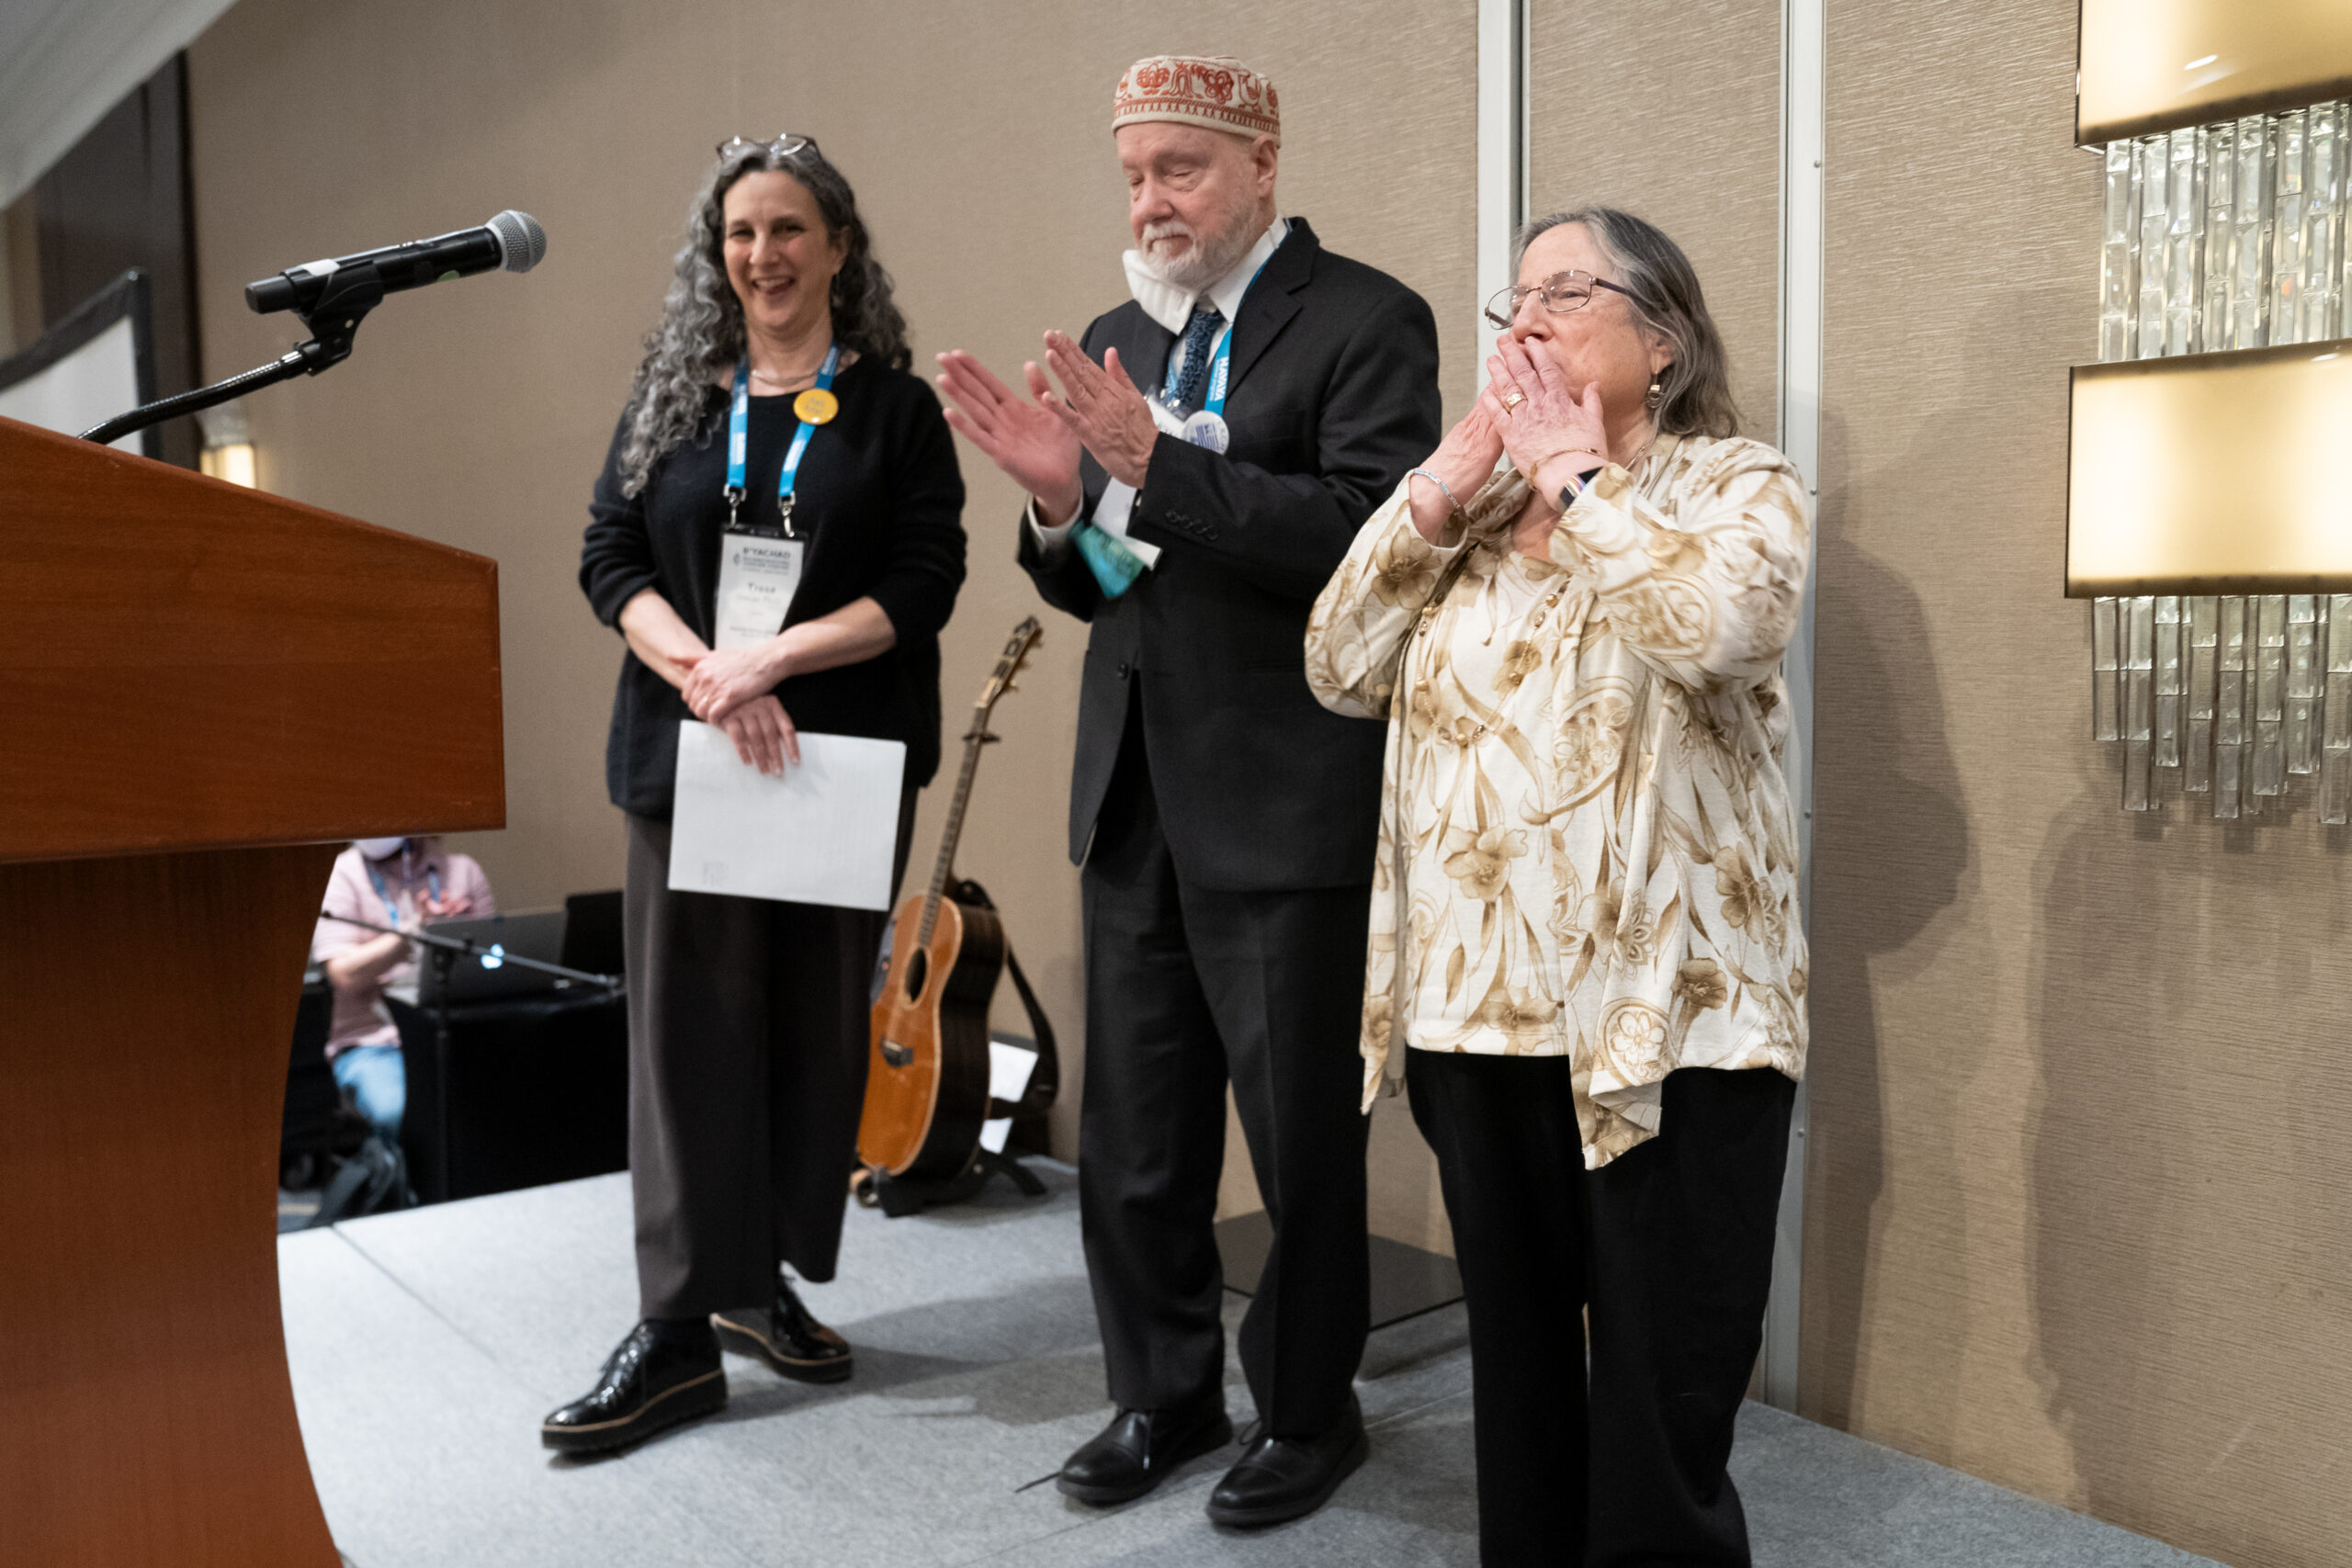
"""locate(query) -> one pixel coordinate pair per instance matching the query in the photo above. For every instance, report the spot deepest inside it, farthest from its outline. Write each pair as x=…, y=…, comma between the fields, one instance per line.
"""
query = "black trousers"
x=748, y=1040
x=1669, y=1247
x=1185, y=988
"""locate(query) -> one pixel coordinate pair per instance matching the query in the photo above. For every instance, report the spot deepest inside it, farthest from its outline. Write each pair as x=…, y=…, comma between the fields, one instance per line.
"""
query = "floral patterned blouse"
x=1586, y=848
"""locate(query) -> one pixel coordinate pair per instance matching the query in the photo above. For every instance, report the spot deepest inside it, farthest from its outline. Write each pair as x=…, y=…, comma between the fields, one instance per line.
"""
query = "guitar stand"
x=900, y=1196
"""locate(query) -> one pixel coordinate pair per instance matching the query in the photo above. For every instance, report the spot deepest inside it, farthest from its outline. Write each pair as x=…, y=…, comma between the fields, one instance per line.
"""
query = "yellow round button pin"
x=816, y=406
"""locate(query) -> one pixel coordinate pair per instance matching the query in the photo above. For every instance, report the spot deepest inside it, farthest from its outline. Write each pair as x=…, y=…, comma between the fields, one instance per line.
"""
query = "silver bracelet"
x=1437, y=482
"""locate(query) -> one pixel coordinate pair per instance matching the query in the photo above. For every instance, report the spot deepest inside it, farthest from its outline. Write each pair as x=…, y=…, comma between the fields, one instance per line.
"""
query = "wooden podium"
x=203, y=692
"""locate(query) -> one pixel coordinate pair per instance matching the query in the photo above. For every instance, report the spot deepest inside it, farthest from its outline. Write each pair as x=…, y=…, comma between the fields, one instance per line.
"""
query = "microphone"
x=511, y=239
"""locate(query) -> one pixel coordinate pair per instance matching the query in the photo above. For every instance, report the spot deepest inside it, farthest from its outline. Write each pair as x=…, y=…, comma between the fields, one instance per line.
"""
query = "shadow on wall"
x=1888, y=808
x=2190, y=1171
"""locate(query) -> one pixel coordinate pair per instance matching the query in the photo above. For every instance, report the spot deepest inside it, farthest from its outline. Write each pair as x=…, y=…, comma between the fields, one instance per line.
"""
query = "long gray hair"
x=701, y=335
x=1695, y=391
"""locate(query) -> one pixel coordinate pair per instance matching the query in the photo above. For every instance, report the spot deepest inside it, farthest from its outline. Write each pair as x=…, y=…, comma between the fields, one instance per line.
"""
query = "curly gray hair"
x=701, y=335
x=1696, y=388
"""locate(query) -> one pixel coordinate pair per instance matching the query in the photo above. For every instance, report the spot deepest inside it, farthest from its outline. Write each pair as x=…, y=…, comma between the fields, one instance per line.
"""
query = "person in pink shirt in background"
x=386, y=882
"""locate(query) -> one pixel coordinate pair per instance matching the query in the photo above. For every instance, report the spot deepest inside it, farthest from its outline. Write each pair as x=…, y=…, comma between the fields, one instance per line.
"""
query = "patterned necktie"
x=1199, y=333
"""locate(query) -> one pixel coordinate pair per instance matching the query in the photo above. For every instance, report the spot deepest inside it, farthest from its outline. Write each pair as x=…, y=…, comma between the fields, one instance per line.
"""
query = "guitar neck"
x=973, y=743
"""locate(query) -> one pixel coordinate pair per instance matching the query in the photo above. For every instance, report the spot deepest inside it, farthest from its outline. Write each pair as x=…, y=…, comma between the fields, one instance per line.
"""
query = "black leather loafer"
x=1282, y=1478
x=1138, y=1450
x=788, y=1337
x=663, y=1374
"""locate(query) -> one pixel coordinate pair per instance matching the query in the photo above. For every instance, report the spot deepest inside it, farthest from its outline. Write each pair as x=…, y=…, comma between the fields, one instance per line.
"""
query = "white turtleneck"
x=1172, y=307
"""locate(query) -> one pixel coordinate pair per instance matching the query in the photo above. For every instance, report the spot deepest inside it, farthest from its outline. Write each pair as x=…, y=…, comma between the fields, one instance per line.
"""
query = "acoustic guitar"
x=927, y=1076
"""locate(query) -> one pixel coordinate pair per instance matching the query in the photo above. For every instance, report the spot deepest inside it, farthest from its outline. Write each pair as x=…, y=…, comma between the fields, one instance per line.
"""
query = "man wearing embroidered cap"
x=1214, y=447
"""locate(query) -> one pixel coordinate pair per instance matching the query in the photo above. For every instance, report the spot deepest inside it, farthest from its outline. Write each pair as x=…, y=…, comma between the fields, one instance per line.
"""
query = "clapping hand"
x=1545, y=419
x=1102, y=409
x=1022, y=436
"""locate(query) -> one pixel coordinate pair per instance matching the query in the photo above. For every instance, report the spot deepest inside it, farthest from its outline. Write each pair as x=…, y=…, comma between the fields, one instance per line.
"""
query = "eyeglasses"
x=1561, y=292
x=785, y=146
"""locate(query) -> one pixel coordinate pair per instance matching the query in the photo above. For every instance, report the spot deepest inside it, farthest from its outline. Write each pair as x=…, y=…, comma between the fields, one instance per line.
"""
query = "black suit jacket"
x=1332, y=395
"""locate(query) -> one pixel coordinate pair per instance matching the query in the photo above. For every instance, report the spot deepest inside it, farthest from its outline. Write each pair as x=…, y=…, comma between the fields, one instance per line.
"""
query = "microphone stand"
x=446, y=952
x=334, y=320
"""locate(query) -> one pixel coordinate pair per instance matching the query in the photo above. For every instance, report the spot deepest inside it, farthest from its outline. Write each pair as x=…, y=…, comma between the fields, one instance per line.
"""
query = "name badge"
x=758, y=574
x=1165, y=418
x=1208, y=430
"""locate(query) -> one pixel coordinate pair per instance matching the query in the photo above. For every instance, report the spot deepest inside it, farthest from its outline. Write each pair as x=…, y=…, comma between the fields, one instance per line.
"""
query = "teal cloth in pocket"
x=1114, y=566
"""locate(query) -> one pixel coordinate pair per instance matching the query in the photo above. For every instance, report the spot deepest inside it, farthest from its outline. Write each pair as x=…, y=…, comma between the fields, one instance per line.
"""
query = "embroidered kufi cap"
x=1214, y=90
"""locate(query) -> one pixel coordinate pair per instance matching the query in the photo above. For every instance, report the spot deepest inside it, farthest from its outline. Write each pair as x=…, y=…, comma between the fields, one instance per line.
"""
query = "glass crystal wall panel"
x=2217, y=166
x=2249, y=233
x=2172, y=683
x=2303, y=682
x=2104, y=669
x=2270, y=676
x=2226, y=236
x=2204, y=677
x=2154, y=178
x=2184, y=234
x=2335, y=737
x=2118, y=285
x=2323, y=222
x=2286, y=231
x=2139, y=702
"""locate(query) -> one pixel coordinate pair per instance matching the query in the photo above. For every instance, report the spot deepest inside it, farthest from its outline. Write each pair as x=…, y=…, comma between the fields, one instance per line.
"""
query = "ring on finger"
x=1512, y=400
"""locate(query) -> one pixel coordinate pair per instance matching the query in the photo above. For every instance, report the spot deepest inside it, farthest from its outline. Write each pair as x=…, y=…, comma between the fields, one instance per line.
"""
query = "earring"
x=1656, y=395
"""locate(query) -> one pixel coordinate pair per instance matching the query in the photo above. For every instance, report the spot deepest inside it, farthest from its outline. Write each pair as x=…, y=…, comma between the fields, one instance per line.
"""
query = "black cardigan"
x=881, y=501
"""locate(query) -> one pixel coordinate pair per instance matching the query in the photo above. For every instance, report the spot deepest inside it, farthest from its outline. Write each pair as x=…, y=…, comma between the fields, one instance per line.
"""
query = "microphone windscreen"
x=522, y=243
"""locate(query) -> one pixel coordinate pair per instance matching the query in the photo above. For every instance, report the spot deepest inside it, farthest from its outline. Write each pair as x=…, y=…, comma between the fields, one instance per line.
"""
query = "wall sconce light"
x=228, y=445
x=2213, y=473
x=2208, y=475
x=2149, y=65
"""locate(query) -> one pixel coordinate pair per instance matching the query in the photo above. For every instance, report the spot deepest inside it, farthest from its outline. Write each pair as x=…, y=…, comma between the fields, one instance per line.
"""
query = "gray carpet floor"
x=426, y=1346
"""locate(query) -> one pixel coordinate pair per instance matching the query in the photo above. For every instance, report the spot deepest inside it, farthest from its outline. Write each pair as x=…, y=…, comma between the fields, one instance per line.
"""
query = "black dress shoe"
x=663, y=1374
x=788, y=1337
x=1282, y=1478
x=1139, y=1448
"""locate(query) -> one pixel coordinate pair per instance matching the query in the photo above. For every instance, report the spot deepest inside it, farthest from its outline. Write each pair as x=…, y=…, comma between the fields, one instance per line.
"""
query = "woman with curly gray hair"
x=777, y=535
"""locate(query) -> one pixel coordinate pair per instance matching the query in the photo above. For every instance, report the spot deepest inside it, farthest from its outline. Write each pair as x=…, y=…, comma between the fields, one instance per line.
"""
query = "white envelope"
x=822, y=833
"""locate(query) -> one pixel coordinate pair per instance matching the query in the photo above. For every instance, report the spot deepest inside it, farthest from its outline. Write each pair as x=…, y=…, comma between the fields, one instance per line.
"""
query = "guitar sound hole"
x=918, y=970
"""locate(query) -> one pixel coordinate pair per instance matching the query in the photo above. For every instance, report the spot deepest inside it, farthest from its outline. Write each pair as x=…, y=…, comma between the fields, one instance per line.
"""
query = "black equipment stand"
x=350, y=294
x=447, y=950
x=898, y=1196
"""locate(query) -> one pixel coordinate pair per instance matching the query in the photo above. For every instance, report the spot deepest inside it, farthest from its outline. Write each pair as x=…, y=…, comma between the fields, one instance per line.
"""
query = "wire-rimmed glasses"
x=1561, y=292
x=785, y=145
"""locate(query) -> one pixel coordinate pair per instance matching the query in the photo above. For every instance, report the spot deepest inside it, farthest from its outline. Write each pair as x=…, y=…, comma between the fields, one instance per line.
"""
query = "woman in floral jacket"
x=1587, y=959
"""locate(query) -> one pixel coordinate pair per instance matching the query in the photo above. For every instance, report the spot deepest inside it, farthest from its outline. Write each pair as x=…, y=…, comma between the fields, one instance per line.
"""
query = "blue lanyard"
x=1220, y=357
x=432, y=881
x=738, y=415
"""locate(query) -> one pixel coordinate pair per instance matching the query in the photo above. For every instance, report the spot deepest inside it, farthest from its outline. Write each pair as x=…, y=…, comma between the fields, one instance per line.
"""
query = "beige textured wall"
x=1673, y=113
x=977, y=135
x=2080, y=1219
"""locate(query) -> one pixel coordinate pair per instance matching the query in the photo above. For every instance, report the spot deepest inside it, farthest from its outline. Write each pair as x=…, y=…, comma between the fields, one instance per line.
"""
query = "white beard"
x=1203, y=261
